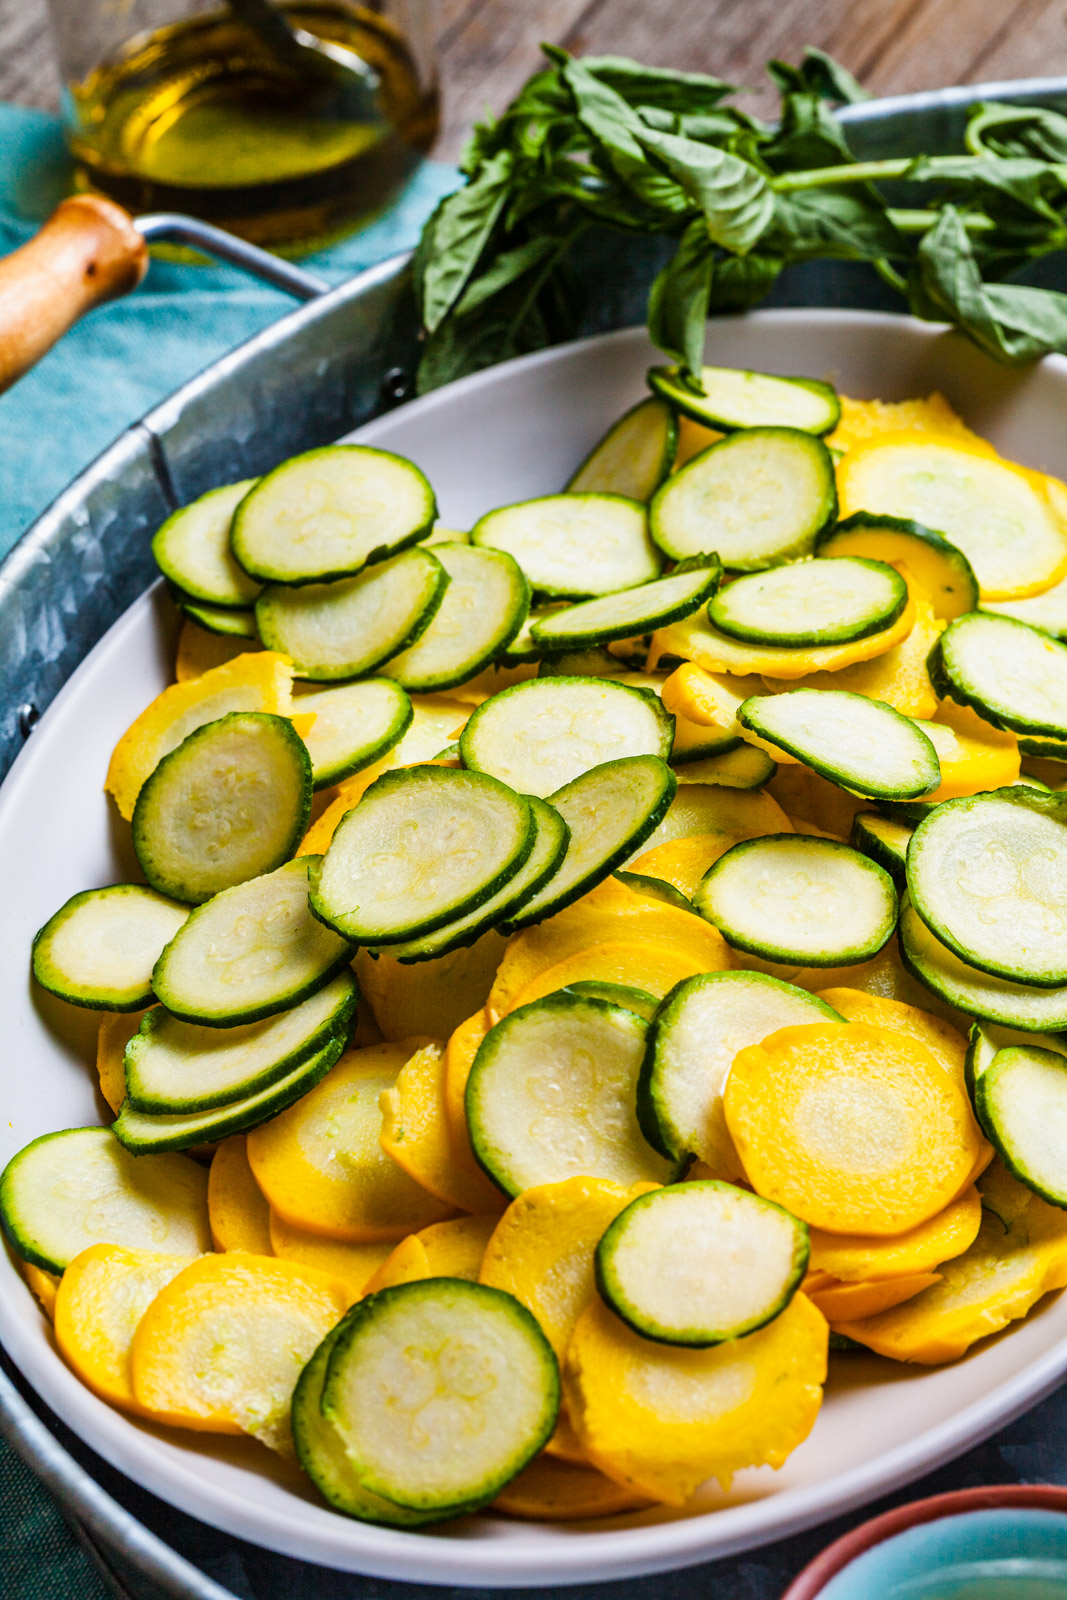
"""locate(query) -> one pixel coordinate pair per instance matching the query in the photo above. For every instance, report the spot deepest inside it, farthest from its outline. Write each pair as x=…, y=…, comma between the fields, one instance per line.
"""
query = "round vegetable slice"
x=347, y=629
x=944, y=572
x=231, y=802
x=1047, y=610
x=856, y=1129
x=66, y=1191
x=799, y=901
x=192, y=549
x=811, y=602
x=989, y=1037
x=700, y=1263
x=756, y=498
x=482, y=610
x=731, y=398
x=328, y=513
x=861, y=744
x=540, y=735
x=523, y=1132
x=240, y=1215
x=424, y=846
x=746, y=767
x=98, y=949
x=230, y=624
x=988, y=874
x=620, y=616
x=1021, y=1102
x=1014, y=1005
x=884, y=840
x=1013, y=675
x=618, y=994
x=574, y=545
x=634, y=456
x=355, y=725
x=489, y=1369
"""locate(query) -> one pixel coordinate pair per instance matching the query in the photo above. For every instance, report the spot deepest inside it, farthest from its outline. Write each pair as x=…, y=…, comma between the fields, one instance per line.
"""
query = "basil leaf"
x=999, y=130
x=678, y=301
x=1028, y=183
x=741, y=282
x=808, y=136
x=657, y=86
x=509, y=266
x=818, y=74
x=614, y=126
x=457, y=234
x=734, y=196
x=847, y=224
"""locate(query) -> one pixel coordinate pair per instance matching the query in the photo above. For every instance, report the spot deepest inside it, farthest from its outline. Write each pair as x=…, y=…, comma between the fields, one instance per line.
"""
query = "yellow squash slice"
x=446, y=1250
x=102, y=1297
x=683, y=862
x=996, y=1281
x=899, y=676
x=221, y=1347
x=693, y=437
x=321, y=1164
x=857, y=1258
x=855, y=1130
x=845, y=1302
x=415, y=1133
x=702, y=699
x=408, y=1263
x=656, y=968
x=862, y=420
x=944, y=1042
x=42, y=1285
x=550, y=1490
x=199, y=651
x=460, y=1051
x=805, y=794
x=251, y=682
x=239, y=1214
x=353, y=1264
x=430, y=997
x=660, y=1419
x=117, y=1028
x=697, y=641
x=972, y=754
x=348, y=794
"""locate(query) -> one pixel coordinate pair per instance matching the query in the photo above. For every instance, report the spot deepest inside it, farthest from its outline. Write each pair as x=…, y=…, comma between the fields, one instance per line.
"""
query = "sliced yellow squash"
x=898, y=676
x=711, y=700
x=199, y=651
x=845, y=1302
x=944, y=1042
x=353, y=1264
x=806, y=794
x=431, y=997
x=117, y=1028
x=972, y=754
x=862, y=420
x=683, y=862
x=42, y=1285
x=460, y=1051
x=415, y=1133
x=856, y=1258
x=550, y=1490
x=237, y=1209
x=656, y=968
x=451, y=1249
x=697, y=641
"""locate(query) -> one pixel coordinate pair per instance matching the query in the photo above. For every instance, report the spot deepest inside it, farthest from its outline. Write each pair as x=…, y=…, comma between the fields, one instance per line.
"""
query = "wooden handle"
x=87, y=252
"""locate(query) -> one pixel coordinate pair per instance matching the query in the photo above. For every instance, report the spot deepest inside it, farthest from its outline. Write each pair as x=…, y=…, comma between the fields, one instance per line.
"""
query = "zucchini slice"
x=424, y=846
x=483, y=609
x=347, y=629
x=66, y=1191
x=611, y=811
x=859, y=743
x=549, y=848
x=944, y=572
x=542, y=734
x=800, y=901
x=142, y=1132
x=1013, y=1005
x=329, y=513
x=989, y=1037
x=699, y=1029
x=1021, y=1102
x=701, y=1263
x=694, y=741
x=987, y=874
x=593, y=661
x=996, y=513
x=617, y=994
x=634, y=611
x=756, y=498
x=355, y=725
x=98, y=950
x=634, y=456
x=884, y=840
x=192, y=549
x=745, y=766
x=231, y=624
x=656, y=889
x=524, y=1132
x=524, y=647
x=231, y=802
x=250, y=952
x=440, y=1392
x=1013, y=675
x=574, y=545
x=731, y=398
x=1047, y=611
x=811, y=603
x=175, y=1067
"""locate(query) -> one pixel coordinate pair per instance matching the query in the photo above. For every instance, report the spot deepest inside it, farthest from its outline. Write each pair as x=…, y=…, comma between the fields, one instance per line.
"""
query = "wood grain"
x=488, y=47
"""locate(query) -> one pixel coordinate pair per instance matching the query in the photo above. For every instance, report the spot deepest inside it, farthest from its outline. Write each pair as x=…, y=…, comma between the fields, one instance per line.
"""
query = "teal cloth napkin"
x=124, y=357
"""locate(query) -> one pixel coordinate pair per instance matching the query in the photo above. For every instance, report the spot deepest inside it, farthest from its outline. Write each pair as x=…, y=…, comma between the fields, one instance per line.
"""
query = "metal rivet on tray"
x=28, y=718
x=396, y=385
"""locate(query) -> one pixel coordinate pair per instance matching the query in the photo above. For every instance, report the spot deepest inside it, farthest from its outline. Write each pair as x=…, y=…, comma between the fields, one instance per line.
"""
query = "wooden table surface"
x=488, y=47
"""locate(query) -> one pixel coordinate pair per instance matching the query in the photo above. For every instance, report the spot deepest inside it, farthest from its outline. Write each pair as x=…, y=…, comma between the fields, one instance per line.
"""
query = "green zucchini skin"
x=219, y=581
x=530, y=531
x=363, y=752
x=1018, y=1076
x=485, y=636
x=918, y=772
x=939, y=969
x=229, y=623
x=626, y=995
x=726, y=611
x=995, y=638
x=656, y=889
x=595, y=477
x=636, y=611
x=56, y=975
x=667, y=382
x=884, y=840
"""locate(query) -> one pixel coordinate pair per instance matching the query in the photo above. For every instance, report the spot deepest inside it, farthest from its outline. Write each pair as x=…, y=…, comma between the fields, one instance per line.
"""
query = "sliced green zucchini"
x=355, y=725
x=594, y=661
x=524, y=647
x=656, y=889
x=231, y=802
x=66, y=1191
x=730, y=398
x=634, y=611
x=700, y=1263
x=424, y=846
x=989, y=1037
x=1014, y=1005
x=800, y=901
x=811, y=602
x=617, y=994
x=549, y=848
x=611, y=811
x=230, y=623
x=541, y=734
x=483, y=609
x=524, y=1131
x=328, y=513
x=1047, y=611
x=1047, y=749
x=756, y=498
x=574, y=545
x=859, y=743
x=347, y=629
x=634, y=456
x=440, y=1392
x=176, y=1068
x=944, y=572
x=694, y=742
x=884, y=840
x=1013, y=675
x=1021, y=1103
x=987, y=875
x=98, y=950
x=745, y=766
x=321, y=1453
x=698, y=1030
x=147, y=1131
x=192, y=549
x=249, y=952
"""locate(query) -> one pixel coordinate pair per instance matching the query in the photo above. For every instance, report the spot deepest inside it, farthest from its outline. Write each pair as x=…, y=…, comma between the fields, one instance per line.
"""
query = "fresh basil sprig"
x=608, y=143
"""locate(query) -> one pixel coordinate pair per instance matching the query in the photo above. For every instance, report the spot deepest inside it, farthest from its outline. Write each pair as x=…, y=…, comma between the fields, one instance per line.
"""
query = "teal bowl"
x=1006, y=1543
